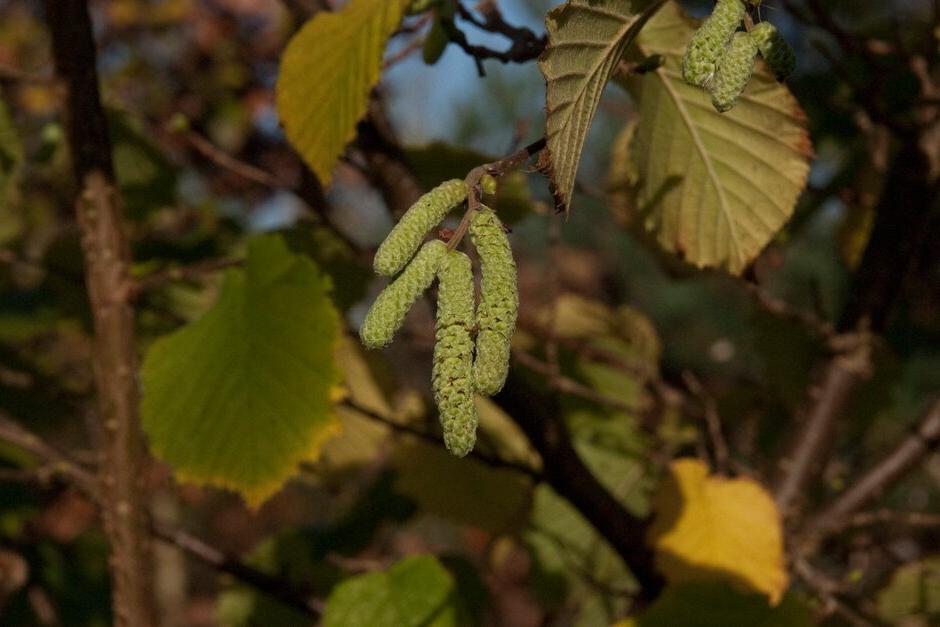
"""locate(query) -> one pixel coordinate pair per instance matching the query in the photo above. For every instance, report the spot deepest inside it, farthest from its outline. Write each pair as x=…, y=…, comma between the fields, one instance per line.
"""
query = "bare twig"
x=161, y=278
x=227, y=162
x=107, y=271
x=85, y=480
x=489, y=460
x=880, y=477
x=828, y=594
x=712, y=422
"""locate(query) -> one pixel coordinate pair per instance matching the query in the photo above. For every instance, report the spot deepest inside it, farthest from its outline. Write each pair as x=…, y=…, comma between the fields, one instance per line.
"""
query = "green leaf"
x=717, y=605
x=586, y=41
x=913, y=594
x=715, y=188
x=326, y=74
x=11, y=156
x=240, y=397
x=415, y=592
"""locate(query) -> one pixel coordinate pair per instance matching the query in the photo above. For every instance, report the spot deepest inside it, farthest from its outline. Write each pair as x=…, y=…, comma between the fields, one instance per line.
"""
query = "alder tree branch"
x=525, y=45
x=107, y=273
x=60, y=464
x=878, y=479
x=909, y=194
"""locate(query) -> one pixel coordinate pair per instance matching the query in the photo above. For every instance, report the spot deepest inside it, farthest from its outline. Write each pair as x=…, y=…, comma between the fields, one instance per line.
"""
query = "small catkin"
x=734, y=72
x=499, y=302
x=388, y=311
x=775, y=50
x=404, y=239
x=452, y=373
x=710, y=41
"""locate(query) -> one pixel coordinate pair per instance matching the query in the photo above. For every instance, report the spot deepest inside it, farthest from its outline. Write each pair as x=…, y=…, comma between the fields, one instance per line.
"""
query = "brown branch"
x=878, y=479
x=492, y=461
x=540, y=418
x=107, y=272
x=902, y=212
x=62, y=465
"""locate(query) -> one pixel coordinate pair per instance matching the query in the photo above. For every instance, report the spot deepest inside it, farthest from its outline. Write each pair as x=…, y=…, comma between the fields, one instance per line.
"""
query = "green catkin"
x=709, y=42
x=388, y=311
x=734, y=71
x=403, y=241
x=775, y=50
x=452, y=373
x=499, y=302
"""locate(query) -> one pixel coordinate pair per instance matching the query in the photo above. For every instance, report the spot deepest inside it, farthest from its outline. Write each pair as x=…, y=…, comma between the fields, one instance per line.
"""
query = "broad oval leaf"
x=586, y=41
x=238, y=398
x=715, y=188
x=326, y=74
x=415, y=592
x=704, y=525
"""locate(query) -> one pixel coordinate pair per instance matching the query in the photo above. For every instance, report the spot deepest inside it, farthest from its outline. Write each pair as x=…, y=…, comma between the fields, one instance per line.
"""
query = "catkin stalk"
x=388, y=311
x=709, y=42
x=451, y=375
x=499, y=302
x=734, y=72
x=406, y=237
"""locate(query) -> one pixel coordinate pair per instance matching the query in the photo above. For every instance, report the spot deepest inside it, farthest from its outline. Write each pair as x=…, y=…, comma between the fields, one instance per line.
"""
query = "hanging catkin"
x=709, y=42
x=404, y=239
x=775, y=50
x=451, y=375
x=388, y=311
x=499, y=302
x=734, y=72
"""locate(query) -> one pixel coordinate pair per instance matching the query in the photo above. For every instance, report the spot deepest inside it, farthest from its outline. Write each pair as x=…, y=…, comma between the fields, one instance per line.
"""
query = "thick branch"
x=107, y=274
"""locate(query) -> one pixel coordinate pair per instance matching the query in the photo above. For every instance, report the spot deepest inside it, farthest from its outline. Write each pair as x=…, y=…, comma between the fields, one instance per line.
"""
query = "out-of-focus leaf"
x=704, y=525
x=463, y=490
x=586, y=41
x=716, y=188
x=326, y=73
x=570, y=558
x=622, y=177
x=240, y=397
x=11, y=156
x=415, y=592
x=913, y=596
x=438, y=162
x=145, y=176
x=713, y=604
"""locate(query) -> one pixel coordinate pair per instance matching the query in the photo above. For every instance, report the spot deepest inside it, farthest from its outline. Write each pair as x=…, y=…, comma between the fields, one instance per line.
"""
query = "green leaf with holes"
x=586, y=41
x=415, y=592
x=714, y=188
x=327, y=72
x=239, y=398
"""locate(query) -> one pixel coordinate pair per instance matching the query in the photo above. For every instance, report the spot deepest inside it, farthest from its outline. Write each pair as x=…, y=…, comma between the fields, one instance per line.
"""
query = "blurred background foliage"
x=187, y=80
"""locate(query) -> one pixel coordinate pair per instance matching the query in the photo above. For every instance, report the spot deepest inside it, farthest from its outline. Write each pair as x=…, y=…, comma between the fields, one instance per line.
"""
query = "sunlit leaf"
x=714, y=604
x=714, y=188
x=415, y=592
x=240, y=397
x=586, y=41
x=705, y=525
x=326, y=74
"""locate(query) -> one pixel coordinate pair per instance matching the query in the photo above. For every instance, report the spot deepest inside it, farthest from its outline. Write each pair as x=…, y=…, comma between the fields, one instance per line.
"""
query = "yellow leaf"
x=326, y=74
x=712, y=528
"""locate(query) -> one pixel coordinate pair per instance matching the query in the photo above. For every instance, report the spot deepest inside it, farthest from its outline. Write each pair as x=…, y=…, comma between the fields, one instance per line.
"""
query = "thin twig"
x=489, y=460
x=161, y=278
x=712, y=422
x=884, y=474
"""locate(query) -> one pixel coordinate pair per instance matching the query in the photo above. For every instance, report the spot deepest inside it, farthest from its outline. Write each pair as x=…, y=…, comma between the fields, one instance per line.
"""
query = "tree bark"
x=107, y=275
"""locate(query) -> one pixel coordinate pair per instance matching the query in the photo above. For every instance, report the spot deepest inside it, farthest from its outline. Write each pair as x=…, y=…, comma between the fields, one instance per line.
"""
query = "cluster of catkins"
x=463, y=364
x=721, y=59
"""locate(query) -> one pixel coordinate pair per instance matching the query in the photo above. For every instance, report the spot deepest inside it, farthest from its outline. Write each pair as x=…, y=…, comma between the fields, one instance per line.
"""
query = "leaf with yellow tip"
x=709, y=528
x=240, y=397
x=326, y=74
